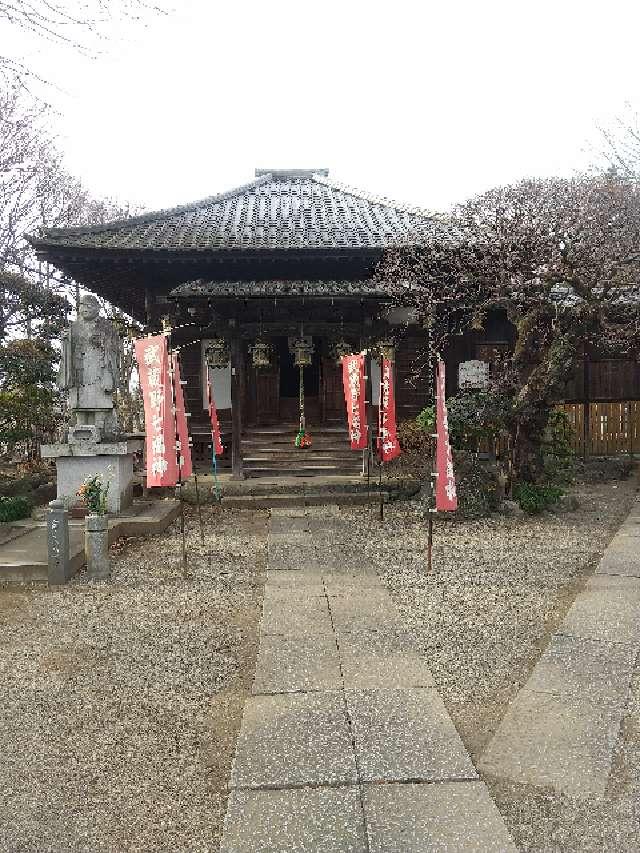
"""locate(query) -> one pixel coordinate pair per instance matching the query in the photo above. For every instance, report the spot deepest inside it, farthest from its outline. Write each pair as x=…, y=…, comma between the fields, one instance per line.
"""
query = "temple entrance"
x=290, y=383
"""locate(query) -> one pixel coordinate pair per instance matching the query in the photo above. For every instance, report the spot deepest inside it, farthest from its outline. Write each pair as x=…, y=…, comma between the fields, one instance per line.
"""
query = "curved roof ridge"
x=374, y=199
x=165, y=213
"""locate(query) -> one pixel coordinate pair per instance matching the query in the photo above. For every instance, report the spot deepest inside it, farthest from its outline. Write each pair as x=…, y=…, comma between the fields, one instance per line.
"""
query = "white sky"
x=426, y=102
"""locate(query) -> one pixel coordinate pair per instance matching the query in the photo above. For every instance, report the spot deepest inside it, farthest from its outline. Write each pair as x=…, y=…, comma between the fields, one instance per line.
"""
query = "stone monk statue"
x=90, y=373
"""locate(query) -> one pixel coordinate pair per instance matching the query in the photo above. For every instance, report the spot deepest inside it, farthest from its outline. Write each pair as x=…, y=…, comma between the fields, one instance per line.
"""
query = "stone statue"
x=90, y=373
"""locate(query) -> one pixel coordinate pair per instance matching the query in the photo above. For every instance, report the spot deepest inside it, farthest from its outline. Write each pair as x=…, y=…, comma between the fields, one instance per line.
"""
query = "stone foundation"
x=76, y=462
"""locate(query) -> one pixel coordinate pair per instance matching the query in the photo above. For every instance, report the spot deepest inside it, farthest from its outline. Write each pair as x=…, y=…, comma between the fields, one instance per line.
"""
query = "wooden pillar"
x=237, y=400
x=149, y=307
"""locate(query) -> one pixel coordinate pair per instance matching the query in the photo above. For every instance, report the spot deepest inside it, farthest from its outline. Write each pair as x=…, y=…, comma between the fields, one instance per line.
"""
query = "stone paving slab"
x=346, y=582
x=406, y=735
x=448, y=817
x=608, y=609
x=292, y=740
x=288, y=524
x=374, y=659
x=303, y=820
x=293, y=614
x=622, y=557
x=564, y=742
x=288, y=512
x=364, y=610
x=300, y=579
x=588, y=670
x=288, y=665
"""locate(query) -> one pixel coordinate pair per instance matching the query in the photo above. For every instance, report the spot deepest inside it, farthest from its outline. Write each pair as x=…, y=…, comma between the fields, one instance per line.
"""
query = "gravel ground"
x=498, y=589
x=121, y=700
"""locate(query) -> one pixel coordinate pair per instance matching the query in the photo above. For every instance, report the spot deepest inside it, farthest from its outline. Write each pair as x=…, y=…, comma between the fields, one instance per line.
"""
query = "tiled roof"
x=280, y=209
x=280, y=287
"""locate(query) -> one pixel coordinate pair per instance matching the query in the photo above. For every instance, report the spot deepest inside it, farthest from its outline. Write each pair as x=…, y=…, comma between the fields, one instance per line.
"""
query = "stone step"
x=292, y=499
x=299, y=471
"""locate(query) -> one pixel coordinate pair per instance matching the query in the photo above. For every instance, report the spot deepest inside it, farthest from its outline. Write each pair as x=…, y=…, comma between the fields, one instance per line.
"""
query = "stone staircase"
x=269, y=451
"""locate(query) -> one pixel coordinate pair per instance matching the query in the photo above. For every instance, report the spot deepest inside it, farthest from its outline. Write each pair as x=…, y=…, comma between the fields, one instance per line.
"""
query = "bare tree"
x=561, y=257
x=79, y=24
x=619, y=143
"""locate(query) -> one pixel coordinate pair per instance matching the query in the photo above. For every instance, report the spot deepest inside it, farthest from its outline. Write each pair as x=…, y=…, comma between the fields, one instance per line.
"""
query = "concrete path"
x=562, y=727
x=345, y=745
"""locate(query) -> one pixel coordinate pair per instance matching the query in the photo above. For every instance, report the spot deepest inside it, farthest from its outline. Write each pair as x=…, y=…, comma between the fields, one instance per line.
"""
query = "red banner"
x=216, y=440
x=353, y=382
x=186, y=467
x=388, y=444
x=446, y=496
x=155, y=383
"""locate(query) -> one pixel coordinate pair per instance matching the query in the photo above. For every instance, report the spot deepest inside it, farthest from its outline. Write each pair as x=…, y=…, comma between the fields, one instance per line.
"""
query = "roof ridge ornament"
x=285, y=174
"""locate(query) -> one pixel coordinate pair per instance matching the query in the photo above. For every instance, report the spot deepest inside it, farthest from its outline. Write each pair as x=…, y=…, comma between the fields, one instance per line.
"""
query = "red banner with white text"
x=446, y=496
x=353, y=382
x=186, y=466
x=155, y=384
x=388, y=444
x=216, y=439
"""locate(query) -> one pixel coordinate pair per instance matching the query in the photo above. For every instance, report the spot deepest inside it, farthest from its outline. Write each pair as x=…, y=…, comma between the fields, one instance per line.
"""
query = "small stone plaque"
x=473, y=374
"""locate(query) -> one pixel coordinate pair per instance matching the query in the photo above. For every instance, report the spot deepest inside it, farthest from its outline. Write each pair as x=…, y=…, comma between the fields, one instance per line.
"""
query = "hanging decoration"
x=160, y=433
x=302, y=357
x=387, y=350
x=353, y=384
x=217, y=353
x=446, y=496
x=340, y=349
x=261, y=354
x=186, y=466
x=388, y=444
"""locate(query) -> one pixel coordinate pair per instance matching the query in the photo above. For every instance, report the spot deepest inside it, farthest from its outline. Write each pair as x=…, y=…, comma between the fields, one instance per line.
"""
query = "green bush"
x=534, y=498
x=15, y=508
x=474, y=417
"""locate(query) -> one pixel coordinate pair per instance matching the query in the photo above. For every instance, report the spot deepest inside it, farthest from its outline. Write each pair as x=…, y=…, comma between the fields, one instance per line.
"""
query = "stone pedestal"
x=76, y=462
x=96, y=547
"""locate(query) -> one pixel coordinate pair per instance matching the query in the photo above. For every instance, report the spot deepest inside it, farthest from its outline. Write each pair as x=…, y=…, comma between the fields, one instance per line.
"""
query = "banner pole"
x=380, y=463
x=177, y=446
x=195, y=478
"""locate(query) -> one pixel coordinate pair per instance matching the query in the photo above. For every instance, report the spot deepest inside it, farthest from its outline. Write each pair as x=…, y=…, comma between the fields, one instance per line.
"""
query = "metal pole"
x=177, y=446
x=195, y=477
x=380, y=490
x=430, y=543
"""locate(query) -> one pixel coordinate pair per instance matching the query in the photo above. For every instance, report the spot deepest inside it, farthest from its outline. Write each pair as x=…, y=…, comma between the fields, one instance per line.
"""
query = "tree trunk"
x=528, y=458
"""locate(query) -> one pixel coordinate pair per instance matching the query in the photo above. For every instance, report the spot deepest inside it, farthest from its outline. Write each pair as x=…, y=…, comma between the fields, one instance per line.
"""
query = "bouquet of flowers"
x=94, y=493
x=302, y=439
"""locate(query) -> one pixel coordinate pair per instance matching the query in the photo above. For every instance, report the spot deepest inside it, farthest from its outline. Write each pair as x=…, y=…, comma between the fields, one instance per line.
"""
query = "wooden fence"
x=604, y=429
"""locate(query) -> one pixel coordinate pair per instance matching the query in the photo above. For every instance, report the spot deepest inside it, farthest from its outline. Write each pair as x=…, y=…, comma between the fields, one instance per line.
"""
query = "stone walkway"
x=562, y=727
x=346, y=745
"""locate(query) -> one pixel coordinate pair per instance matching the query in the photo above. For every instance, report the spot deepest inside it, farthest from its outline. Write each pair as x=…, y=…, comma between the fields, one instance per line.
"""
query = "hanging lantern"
x=217, y=353
x=478, y=320
x=388, y=350
x=302, y=352
x=340, y=349
x=261, y=354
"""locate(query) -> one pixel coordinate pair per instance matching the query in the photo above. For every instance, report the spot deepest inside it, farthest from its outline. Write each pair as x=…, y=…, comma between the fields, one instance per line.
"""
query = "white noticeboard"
x=473, y=374
x=220, y=380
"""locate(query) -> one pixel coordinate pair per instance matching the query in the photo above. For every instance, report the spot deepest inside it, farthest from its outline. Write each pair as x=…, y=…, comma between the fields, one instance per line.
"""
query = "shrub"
x=477, y=485
x=559, y=457
x=534, y=498
x=474, y=417
x=15, y=508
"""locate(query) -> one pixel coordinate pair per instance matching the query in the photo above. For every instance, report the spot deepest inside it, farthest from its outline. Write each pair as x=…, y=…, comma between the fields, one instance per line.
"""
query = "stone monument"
x=90, y=373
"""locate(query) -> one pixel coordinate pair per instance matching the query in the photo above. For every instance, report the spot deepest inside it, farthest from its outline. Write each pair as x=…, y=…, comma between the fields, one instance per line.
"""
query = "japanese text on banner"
x=353, y=382
x=216, y=439
x=446, y=496
x=186, y=467
x=155, y=383
x=388, y=444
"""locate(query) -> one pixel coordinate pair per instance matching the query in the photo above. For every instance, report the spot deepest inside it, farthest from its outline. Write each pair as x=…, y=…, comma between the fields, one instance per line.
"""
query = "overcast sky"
x=426, y=102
